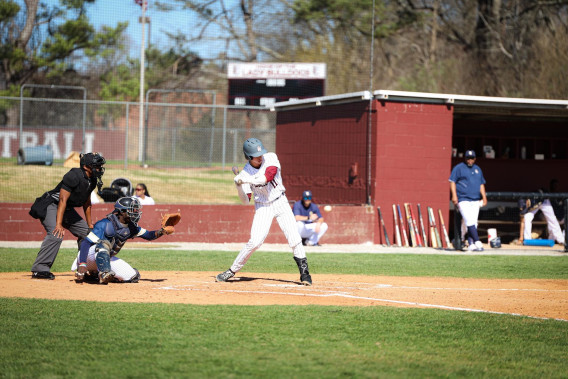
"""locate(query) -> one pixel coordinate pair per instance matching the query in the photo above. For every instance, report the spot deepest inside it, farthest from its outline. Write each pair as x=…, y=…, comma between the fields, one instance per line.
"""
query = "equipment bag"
x=39, y=207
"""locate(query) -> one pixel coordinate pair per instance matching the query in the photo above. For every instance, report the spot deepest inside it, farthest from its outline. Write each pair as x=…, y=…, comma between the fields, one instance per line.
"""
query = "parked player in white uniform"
x=262, y=178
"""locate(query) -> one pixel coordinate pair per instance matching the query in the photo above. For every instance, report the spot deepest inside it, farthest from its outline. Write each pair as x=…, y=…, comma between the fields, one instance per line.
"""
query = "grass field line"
x=336, y=290
x=349, y=296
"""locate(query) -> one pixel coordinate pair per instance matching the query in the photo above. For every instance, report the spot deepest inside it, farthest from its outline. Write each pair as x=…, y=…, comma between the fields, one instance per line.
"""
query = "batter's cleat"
x=306, y=279
x=106, y=277
x=42, y=275
x=224, y=276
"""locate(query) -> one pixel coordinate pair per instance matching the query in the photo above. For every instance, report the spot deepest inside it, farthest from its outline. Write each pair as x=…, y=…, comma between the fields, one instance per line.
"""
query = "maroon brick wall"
x=200, y=223
x=413, y=159
x=317, y=147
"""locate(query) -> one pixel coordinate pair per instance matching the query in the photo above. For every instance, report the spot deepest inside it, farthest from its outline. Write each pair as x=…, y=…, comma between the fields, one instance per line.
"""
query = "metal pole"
x=370, y=123
x=141, y=145
x=224, y=134
x=126, y=137
x=84, y=119
x=212, y=130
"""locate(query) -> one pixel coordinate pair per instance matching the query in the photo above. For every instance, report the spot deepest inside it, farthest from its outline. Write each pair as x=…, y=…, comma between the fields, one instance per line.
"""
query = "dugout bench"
x=485, y=222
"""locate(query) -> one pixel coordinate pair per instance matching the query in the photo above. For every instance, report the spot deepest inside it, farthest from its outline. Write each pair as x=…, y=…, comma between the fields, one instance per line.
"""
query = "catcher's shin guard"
x=305, y=277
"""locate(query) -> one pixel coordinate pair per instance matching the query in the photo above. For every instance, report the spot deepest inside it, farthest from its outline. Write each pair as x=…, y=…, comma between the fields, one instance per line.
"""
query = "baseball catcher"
x=97, y=260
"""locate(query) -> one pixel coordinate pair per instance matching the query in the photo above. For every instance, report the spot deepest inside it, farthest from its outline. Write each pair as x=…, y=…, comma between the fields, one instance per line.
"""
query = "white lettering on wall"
x=68, y=138
x=89, y=139
x=50, y=138
x=7, y=137
x=29, y=139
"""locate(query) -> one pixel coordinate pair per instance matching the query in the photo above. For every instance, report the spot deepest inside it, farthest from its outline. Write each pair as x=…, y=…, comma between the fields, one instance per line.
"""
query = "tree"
x=46, y=38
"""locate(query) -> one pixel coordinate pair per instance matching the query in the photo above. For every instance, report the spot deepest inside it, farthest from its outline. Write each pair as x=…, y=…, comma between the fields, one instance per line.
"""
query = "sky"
x=110, y=12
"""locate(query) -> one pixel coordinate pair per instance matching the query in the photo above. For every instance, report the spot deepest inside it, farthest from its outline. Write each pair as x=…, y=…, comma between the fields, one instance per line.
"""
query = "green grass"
x=80, y=339
x=506, y=267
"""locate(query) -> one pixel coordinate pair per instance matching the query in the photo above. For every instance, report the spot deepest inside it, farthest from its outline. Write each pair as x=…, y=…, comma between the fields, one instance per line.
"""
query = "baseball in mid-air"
x=327, y=208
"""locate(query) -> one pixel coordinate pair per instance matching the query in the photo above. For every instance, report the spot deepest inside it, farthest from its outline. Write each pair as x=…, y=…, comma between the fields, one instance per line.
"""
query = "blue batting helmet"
x=253, y=148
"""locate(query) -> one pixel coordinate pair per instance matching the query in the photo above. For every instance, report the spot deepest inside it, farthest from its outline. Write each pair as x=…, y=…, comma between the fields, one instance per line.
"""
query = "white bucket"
x=491, y=234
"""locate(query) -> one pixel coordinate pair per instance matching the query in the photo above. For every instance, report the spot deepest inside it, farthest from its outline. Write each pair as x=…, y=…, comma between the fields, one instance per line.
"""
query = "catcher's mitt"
x=168, y=222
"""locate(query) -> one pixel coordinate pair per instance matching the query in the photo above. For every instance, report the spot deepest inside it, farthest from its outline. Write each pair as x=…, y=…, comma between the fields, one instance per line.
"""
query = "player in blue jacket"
x=467, y=187
x=97, y=254
x=309, y=220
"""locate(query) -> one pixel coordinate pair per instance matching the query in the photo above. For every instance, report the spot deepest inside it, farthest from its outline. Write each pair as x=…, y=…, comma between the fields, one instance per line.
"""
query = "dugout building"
x=405, y=151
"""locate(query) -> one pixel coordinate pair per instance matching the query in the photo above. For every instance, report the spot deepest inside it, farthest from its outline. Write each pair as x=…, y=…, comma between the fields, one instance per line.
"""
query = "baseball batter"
x=262, y=178
x=467, y=186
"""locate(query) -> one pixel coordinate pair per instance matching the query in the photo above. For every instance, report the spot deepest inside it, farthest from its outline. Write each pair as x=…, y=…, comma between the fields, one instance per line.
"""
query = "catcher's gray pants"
x=51, y=244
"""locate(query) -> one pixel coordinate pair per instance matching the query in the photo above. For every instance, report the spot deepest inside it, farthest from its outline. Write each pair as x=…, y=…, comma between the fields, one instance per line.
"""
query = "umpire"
x=56, y=212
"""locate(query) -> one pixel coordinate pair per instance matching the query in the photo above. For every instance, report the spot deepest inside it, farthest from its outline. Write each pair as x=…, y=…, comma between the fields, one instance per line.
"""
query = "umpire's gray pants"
x=51, y=244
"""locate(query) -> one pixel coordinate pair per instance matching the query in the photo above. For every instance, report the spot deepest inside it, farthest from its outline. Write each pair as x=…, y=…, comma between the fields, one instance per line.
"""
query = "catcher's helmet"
x=495, y=243
x=131, y=205
x=253, y=148
x=95, y=161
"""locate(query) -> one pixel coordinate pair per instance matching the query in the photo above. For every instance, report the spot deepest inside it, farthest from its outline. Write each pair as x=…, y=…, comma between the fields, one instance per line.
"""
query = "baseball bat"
x=443, y=224
x=415, y=225
x=433, y=242
x=235, y=170
x=384, y=227
x=402, y=227
x=522, y=230
x=436, y=231
x=396, y=228
x=409, y=223
x=423, y=234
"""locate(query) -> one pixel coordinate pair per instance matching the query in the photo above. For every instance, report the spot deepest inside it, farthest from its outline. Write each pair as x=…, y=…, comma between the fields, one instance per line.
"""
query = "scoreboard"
x=263, y=84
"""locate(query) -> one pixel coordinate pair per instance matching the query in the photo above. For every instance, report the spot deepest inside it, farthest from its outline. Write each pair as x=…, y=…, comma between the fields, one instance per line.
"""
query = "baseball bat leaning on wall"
x=384, y=227
x=415, y=225
x=433, y=242
x=409, y=223
x=436, y=231
x=424, y=238
x=443, y=224
x=397, y=238
x=402, y=226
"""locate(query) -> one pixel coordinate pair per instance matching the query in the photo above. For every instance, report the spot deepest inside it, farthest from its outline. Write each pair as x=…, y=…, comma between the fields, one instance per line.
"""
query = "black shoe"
x=304, y=241
x=306, y=279
x=42, y=275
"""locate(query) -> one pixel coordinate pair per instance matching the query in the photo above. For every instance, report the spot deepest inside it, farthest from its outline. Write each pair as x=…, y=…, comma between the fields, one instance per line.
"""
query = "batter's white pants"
x=122, y=269
x=261, y=223
x=554, y=230
x=309, y=231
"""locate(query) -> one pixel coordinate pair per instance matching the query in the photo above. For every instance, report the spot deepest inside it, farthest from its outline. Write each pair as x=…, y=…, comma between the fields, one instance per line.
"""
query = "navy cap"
x=470, y=154
x=307, y=195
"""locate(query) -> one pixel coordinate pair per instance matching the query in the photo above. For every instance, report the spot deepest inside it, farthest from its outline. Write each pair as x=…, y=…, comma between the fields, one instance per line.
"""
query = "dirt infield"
x=541, y=298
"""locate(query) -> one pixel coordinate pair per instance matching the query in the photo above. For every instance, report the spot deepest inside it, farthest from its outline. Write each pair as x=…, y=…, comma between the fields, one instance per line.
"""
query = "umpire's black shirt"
x=79, y=186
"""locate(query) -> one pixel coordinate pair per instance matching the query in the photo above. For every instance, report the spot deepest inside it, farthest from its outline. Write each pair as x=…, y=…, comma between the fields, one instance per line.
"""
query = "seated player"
x=309, y=220
x=97, y=258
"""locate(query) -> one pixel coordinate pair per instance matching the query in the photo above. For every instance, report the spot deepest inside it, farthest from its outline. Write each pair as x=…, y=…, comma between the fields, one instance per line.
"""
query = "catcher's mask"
x=95, y=162
x=253, y=148
x=130, y=205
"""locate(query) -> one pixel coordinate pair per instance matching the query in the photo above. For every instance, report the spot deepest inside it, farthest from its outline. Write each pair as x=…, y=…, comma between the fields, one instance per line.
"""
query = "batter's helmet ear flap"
x=252, y=148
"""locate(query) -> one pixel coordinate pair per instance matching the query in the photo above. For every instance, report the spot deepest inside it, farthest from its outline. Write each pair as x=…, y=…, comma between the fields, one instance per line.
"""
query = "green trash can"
x=41, y=155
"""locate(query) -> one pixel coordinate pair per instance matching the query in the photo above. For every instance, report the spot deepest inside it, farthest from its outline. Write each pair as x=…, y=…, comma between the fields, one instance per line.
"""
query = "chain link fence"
x=194, y=143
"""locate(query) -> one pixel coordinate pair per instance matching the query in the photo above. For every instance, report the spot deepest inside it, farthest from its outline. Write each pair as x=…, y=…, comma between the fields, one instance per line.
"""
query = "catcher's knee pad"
x=134, y=279
x=102, y=259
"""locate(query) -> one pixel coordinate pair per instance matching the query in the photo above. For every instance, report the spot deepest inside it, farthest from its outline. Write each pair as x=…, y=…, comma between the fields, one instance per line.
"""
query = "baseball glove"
x=169, y=220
